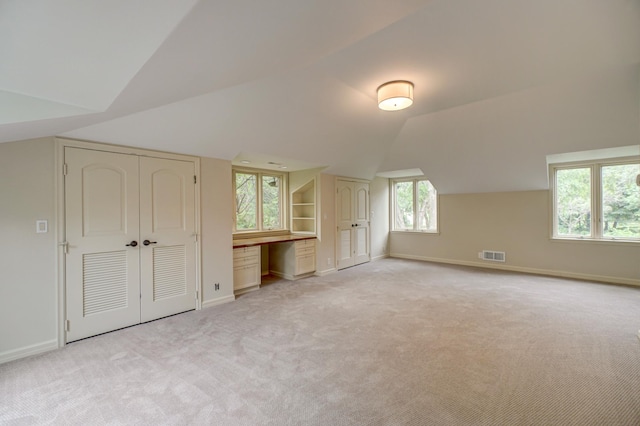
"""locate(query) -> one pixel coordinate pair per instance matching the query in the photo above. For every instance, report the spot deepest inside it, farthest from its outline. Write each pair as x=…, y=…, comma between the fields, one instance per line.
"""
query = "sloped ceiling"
x=499, y=84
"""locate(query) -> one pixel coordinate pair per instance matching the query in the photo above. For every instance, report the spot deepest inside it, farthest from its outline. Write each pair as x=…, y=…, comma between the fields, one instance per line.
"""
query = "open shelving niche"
x=303, y=209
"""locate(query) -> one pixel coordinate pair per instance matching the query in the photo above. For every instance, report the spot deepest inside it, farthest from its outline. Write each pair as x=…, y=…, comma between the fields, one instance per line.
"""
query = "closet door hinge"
x=64, y=169
x=67, y=325
x=195, y=179
x=197, y=294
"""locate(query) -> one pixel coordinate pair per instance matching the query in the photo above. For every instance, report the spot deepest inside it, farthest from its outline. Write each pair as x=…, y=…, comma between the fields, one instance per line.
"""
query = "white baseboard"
x=382, y=256
x=325, y=272
x=535, y=271
x=219, y=301
x=26, y=351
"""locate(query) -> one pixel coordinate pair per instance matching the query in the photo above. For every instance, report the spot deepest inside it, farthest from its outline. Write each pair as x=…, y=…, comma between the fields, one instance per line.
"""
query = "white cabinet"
x=293, y=259
x=246, y=269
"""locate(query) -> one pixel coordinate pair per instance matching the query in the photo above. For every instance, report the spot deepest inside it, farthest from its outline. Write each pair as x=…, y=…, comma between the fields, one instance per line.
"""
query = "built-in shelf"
x=303, y=208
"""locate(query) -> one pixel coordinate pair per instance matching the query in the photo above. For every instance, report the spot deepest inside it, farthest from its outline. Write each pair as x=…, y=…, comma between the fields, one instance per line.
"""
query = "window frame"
x=596, y=206
x=416, y=222
x=260, y=173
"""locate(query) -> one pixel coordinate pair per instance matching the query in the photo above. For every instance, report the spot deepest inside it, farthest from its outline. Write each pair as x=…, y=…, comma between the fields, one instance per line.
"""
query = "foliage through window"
x=259, y=200
x=597, y=200
x=415, y=205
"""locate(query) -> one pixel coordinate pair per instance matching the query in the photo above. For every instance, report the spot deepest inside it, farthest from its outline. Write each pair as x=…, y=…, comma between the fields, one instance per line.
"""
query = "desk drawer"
x=243, y=252
x=305, y=247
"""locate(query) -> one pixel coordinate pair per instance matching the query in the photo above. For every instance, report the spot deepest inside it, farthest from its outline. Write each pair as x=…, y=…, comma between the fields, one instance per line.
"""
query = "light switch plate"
x=42, y=226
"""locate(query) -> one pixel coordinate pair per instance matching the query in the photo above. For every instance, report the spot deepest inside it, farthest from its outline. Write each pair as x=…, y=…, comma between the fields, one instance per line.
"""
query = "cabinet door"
x=246, y=276
x=305, y=264
x=246, y=267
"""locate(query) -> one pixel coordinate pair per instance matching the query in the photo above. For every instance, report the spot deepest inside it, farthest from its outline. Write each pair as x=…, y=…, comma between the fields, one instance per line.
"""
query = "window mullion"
x=596, y=202
x=259, y=198
x=416, y=219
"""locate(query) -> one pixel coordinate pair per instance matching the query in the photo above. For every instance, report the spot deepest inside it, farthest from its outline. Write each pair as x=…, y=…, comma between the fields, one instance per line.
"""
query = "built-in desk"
x=291, y=256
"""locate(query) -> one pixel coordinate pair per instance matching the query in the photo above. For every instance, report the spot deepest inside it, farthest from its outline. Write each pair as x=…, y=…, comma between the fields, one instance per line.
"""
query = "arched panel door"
x=167, y=225
x=102, y=260
x=353, y=239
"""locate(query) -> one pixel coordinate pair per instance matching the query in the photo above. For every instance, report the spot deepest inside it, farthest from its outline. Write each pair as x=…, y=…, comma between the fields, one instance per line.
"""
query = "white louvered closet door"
x=130, y=226
x=167, y=229
x=101, y=217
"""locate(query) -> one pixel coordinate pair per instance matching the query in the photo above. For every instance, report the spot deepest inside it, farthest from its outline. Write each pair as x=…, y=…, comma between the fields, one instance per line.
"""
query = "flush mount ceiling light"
x=395, y=95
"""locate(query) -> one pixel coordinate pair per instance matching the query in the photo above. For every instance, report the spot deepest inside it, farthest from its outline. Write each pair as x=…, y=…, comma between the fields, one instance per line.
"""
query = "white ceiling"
x=499, y=84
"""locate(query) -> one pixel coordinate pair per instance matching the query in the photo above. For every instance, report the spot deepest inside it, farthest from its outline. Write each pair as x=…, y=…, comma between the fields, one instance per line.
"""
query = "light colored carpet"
x=392, y=342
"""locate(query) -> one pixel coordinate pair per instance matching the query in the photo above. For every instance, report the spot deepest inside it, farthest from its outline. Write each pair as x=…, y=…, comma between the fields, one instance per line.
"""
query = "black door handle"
x=147, y=242
x=132, y=243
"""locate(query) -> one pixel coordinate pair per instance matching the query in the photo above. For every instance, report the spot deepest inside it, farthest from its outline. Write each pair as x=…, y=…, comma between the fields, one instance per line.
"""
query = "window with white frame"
x=597, y=200
x=414, y=205
x=259, y=200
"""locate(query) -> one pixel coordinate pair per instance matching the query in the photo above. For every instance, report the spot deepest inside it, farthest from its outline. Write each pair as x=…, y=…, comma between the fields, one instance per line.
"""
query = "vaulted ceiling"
x=499, y=84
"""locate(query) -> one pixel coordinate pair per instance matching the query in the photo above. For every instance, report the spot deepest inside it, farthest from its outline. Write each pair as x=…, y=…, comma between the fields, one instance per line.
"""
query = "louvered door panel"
x=169, y=275
x=104, y=282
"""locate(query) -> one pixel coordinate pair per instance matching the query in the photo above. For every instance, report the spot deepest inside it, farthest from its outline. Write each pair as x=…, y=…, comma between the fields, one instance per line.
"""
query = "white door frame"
x=61, y=143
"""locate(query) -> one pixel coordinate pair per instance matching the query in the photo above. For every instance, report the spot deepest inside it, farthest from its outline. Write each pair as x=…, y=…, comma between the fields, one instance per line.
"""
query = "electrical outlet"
x=328, y=261
x=216, y=286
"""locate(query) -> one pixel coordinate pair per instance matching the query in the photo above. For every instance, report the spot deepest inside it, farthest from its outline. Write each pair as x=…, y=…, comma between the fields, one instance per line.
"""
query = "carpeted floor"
x=392, y=342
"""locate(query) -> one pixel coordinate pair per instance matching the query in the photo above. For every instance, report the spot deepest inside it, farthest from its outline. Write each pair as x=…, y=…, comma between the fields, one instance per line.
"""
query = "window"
x=259, y=200
x=415, y=205
x=596, y=200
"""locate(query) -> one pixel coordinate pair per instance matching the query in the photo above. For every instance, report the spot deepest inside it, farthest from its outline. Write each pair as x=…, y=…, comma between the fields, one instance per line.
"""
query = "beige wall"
x=216, y=202
x=326, y=246
x=518, y=224
x=28, y=288
x=379, y=217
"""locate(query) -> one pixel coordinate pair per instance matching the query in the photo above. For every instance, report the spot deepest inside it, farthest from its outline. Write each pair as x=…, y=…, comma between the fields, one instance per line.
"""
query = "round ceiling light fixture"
x=395, y=95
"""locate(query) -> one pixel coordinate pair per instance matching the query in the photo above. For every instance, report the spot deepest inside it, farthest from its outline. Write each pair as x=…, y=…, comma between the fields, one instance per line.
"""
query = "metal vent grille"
x=494, y=256
x=169, y=272
x=104, y=281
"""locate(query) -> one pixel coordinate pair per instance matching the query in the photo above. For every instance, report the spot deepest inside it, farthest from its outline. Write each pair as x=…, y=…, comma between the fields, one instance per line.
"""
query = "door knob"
x=147, y=242
x=132, y=243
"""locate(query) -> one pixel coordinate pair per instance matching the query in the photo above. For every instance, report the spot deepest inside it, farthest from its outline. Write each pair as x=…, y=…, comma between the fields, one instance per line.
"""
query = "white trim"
x=382, y=256
x=535, y=271
x=26, y=351
x=219, y=301
x=59, y=239
x=325, y=272
x=596, y=203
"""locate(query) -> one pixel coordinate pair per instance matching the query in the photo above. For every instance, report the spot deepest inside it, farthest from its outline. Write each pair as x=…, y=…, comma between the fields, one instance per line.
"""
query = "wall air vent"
x=494, y=256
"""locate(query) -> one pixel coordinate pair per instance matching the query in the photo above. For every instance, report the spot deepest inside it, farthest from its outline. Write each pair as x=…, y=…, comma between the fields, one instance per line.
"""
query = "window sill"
x=605, y=241
x=416, y=232
x=258, y=234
